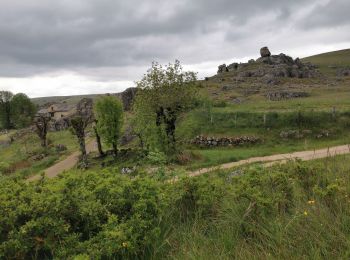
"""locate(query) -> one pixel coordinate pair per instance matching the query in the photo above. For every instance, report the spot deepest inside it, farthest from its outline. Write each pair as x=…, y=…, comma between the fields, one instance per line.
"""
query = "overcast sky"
x=68, y=47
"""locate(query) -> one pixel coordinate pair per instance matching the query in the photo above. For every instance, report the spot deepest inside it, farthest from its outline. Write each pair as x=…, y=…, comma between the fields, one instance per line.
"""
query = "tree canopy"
x=164, y=92
x=109, y=115
x=16, y=111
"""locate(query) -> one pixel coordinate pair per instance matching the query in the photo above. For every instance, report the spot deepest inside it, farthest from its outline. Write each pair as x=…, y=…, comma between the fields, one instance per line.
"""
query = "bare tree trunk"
x=115, y=149
x=98, y=141
x=41, y=129
x=83, y=151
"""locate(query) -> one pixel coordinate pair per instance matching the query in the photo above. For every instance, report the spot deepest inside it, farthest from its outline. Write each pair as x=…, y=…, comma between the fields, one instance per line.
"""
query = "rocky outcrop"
x=343, y=72
x=224, y=141
x=127, y=97
x=222, y=68
x=272, y=66
x=265, y=52
x=283, y=95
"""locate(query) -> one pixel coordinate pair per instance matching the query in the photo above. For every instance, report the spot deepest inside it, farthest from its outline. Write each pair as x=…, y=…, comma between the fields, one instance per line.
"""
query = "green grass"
x=294, y=211
x=17, y=155
x=231, y=123
x=339, y=58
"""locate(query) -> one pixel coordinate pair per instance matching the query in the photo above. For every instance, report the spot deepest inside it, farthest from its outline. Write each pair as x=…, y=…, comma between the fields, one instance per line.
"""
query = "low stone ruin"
x=272, y=66
x=284, y=95
x=206, y=141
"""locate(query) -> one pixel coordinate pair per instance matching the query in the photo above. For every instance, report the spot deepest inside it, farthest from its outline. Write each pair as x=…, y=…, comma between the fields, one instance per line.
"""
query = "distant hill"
x=329, y=62
x=62, y=99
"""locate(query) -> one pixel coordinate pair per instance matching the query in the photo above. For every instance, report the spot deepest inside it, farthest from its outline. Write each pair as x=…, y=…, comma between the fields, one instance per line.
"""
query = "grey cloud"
x=332, y=14
x=84, y=35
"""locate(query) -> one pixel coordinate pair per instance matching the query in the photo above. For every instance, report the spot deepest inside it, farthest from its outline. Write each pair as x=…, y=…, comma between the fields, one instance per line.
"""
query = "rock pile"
x=224, y=141
x=222, y=68
x=282, y=95
x=343, y=72
x=272, y=66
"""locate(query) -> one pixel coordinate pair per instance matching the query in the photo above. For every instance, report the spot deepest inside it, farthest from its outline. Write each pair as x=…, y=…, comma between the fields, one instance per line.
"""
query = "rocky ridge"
x=271, y=66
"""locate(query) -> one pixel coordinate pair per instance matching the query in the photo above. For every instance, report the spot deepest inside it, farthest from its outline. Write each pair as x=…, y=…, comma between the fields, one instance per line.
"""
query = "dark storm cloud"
x=39, y=36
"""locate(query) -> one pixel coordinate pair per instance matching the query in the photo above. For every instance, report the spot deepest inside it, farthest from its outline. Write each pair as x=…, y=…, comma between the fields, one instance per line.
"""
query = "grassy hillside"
x=62, y=99
x=328, y=62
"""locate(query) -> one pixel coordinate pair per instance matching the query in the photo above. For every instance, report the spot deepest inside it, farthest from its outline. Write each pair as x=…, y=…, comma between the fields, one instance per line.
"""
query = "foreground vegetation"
x=298, y=210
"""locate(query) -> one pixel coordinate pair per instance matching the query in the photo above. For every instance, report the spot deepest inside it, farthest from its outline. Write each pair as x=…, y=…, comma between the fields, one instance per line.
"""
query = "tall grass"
x=294, y=211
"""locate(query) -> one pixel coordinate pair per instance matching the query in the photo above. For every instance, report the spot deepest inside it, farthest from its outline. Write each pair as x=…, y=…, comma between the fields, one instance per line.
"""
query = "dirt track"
x=280, y=158
x=64, y=165
x=72, y=160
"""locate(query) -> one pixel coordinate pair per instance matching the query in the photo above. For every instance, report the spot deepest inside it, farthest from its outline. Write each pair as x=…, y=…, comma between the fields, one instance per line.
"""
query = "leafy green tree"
x=109, y=115
x=22, y=110
x=5, y=109
x=164, y=93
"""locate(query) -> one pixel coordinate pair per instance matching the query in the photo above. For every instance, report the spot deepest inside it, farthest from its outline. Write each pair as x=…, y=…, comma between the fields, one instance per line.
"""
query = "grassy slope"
x=339, y=58
x=17, y=155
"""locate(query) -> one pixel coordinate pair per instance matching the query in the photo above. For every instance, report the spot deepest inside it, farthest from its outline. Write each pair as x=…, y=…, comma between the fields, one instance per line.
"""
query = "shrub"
x=99, y=213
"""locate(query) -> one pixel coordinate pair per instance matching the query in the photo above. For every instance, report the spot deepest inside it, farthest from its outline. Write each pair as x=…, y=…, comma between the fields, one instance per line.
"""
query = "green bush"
x=99, y=213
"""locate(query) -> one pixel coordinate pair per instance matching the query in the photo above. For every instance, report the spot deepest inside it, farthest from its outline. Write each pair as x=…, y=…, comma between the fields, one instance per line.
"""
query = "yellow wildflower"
x=311, y=202
x=305, y=213
x=125, y=244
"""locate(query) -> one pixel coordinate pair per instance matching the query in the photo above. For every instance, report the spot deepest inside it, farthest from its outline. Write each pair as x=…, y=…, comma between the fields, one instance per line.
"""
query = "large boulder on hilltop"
x=222, y=68
x=233, y=66
x=265, y=52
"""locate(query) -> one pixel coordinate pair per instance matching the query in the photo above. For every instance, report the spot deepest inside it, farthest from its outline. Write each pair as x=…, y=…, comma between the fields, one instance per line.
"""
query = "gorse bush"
x=298, y=210
x=101, y=214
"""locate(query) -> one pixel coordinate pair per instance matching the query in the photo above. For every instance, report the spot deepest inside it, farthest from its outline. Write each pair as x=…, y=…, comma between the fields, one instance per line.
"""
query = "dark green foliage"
x=22, y=111
x=163, y=94
x=101, y=214
x=16, y=111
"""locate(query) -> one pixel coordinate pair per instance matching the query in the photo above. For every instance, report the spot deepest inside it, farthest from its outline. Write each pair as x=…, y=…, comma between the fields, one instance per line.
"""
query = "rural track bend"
x=72, y=160
x=66, y=164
